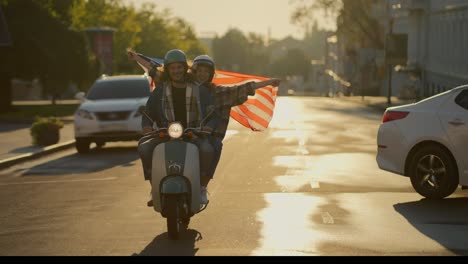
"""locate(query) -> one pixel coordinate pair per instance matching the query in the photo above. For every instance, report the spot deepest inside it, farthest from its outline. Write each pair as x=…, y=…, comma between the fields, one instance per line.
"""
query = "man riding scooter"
x=177, y=98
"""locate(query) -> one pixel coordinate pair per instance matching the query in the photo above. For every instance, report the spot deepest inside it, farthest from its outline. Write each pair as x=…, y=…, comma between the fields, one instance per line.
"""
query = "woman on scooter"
x=226, y=97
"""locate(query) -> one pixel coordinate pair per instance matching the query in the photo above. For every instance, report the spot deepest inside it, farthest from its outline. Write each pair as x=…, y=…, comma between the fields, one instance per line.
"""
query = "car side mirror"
x=80, y=96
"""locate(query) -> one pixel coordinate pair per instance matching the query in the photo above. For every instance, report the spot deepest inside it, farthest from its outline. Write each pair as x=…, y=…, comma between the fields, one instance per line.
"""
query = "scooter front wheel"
x=174, y=225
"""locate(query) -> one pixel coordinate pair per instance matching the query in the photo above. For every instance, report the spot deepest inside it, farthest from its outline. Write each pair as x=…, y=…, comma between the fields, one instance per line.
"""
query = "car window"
x=119, y=89
x=462, y=99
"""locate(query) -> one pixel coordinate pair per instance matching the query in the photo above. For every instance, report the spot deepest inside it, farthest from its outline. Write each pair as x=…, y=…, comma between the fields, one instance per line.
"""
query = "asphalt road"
x=309, y=185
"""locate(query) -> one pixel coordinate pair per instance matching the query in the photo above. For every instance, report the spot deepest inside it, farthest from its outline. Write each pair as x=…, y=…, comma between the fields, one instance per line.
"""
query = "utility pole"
x=388, y=60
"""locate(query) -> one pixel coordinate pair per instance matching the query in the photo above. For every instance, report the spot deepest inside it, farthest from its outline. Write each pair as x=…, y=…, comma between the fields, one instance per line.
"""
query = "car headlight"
x=175, y=130
x=84, y=114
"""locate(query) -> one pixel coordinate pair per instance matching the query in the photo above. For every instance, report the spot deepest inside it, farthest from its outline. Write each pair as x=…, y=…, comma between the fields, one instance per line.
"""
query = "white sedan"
x=110, y=111
x=428, y=142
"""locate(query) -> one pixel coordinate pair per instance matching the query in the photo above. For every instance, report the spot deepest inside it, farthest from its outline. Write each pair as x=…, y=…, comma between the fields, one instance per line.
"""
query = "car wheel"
x=433, y=172
x=82, y=145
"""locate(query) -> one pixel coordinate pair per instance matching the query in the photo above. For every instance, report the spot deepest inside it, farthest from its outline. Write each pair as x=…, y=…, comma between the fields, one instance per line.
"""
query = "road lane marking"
x=63, y=181
x=327, y=218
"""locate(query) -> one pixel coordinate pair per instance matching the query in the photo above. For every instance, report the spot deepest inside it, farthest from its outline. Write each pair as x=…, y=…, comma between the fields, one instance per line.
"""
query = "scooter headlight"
x=175, y=130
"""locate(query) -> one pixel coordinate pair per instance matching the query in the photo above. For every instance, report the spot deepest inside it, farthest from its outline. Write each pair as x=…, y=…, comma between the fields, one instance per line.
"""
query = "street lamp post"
x=390, y=72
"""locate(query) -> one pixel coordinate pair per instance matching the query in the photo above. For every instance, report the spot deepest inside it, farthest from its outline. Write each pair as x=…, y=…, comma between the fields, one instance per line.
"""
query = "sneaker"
x=204, y=195
x=150, y=202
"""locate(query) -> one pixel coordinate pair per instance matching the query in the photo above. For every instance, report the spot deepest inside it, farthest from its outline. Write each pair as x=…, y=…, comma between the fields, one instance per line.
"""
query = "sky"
x=217, y=16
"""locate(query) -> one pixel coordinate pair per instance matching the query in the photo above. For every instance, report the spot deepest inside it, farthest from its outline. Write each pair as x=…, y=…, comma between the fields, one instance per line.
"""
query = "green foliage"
x=354, y=19
x=46, y=47
x=45, y=131
x=294, y=62
x=146, y=30
x=236, y=43
x=236, y=52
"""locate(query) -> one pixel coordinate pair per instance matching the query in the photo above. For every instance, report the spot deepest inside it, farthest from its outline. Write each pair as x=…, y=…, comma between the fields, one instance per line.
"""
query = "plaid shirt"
x=227, y=97
x=199, y=103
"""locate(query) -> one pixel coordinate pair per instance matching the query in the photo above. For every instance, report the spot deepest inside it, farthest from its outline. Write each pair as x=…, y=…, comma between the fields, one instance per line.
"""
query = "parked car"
x=109, y=112
x=428, y=142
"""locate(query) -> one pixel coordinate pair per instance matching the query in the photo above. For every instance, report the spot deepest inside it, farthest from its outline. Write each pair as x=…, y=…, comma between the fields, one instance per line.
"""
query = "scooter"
x=176, y=176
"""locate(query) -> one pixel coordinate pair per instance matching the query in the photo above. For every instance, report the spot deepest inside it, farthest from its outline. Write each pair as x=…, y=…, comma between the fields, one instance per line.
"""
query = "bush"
x=45, y=131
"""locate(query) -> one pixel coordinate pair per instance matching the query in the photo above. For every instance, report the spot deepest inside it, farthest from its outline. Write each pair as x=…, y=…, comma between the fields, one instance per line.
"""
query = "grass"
x=27, y=113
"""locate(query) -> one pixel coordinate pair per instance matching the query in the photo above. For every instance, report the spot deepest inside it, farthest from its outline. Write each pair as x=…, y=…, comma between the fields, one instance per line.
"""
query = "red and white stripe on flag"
x=257, y=112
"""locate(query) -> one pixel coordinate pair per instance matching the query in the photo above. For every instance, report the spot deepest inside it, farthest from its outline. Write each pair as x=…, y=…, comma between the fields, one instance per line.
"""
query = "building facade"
x=437, y=44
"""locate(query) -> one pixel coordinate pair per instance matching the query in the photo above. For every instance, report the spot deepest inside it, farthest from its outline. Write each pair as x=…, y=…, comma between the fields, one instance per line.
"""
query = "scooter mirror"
x=142, y=109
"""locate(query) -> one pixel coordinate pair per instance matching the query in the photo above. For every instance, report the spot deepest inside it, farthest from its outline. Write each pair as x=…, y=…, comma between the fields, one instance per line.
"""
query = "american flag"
x=153, y=61
x=256, y=113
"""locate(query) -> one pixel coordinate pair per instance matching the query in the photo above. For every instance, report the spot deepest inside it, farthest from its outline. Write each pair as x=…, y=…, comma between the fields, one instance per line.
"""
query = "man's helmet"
x=204, y=60
x=175, y=55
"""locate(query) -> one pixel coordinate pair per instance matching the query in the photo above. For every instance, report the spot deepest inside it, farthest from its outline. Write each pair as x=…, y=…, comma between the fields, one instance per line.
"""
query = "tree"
x=236, y=52
x=46, y=48
x=186, y=39
x=294, y=62
x=258, y=55
x=230, y=51
x=146, y=30
x=354, y=18
x=314, y=42
x=113, y=14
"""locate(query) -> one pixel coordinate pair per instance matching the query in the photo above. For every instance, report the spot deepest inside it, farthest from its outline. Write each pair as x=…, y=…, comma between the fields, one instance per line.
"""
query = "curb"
x=380, y=106
x=34, y=155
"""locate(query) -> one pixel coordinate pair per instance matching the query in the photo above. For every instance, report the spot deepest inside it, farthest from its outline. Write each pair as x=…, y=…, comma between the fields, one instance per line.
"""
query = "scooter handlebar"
x=155, y=132
x=196, y=131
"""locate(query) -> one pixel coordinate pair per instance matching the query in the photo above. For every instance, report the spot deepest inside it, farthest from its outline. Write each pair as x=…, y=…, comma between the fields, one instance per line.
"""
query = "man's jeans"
x=206, y=152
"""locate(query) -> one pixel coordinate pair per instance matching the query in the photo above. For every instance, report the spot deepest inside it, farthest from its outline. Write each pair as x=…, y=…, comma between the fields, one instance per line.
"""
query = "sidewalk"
x=377, y=102
x=16, y=142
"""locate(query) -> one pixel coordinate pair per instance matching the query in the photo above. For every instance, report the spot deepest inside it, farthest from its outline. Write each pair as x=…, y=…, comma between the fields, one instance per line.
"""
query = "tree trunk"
x=5, y=92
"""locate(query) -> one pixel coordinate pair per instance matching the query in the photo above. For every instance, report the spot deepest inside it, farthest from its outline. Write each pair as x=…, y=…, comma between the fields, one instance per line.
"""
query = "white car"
x=428, y=142
x=110, y=111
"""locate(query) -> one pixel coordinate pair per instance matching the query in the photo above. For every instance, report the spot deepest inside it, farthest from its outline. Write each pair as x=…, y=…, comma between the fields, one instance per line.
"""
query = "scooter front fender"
x=174, y=185
x=174, y=157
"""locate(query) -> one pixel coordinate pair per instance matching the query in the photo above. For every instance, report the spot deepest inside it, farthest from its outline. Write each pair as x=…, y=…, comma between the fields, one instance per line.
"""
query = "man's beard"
x=179, y=81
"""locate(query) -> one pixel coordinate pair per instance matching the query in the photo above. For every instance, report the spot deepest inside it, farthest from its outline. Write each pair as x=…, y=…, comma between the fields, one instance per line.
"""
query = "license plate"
x=113, y=127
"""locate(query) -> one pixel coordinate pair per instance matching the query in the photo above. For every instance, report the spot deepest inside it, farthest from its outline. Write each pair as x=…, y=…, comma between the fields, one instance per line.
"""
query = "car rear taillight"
x=393, y=115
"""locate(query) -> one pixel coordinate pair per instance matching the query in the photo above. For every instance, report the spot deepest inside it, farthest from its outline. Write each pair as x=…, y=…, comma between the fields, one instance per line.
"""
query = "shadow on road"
x=96, y=160
x=163, y=246
x=445, y=221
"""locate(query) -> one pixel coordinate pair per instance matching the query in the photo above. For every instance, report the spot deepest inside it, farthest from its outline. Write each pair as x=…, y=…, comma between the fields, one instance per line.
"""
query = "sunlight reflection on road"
x=287, y=229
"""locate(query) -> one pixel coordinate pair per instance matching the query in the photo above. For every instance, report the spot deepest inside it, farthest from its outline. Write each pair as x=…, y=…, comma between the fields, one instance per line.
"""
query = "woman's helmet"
x=204, y=60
